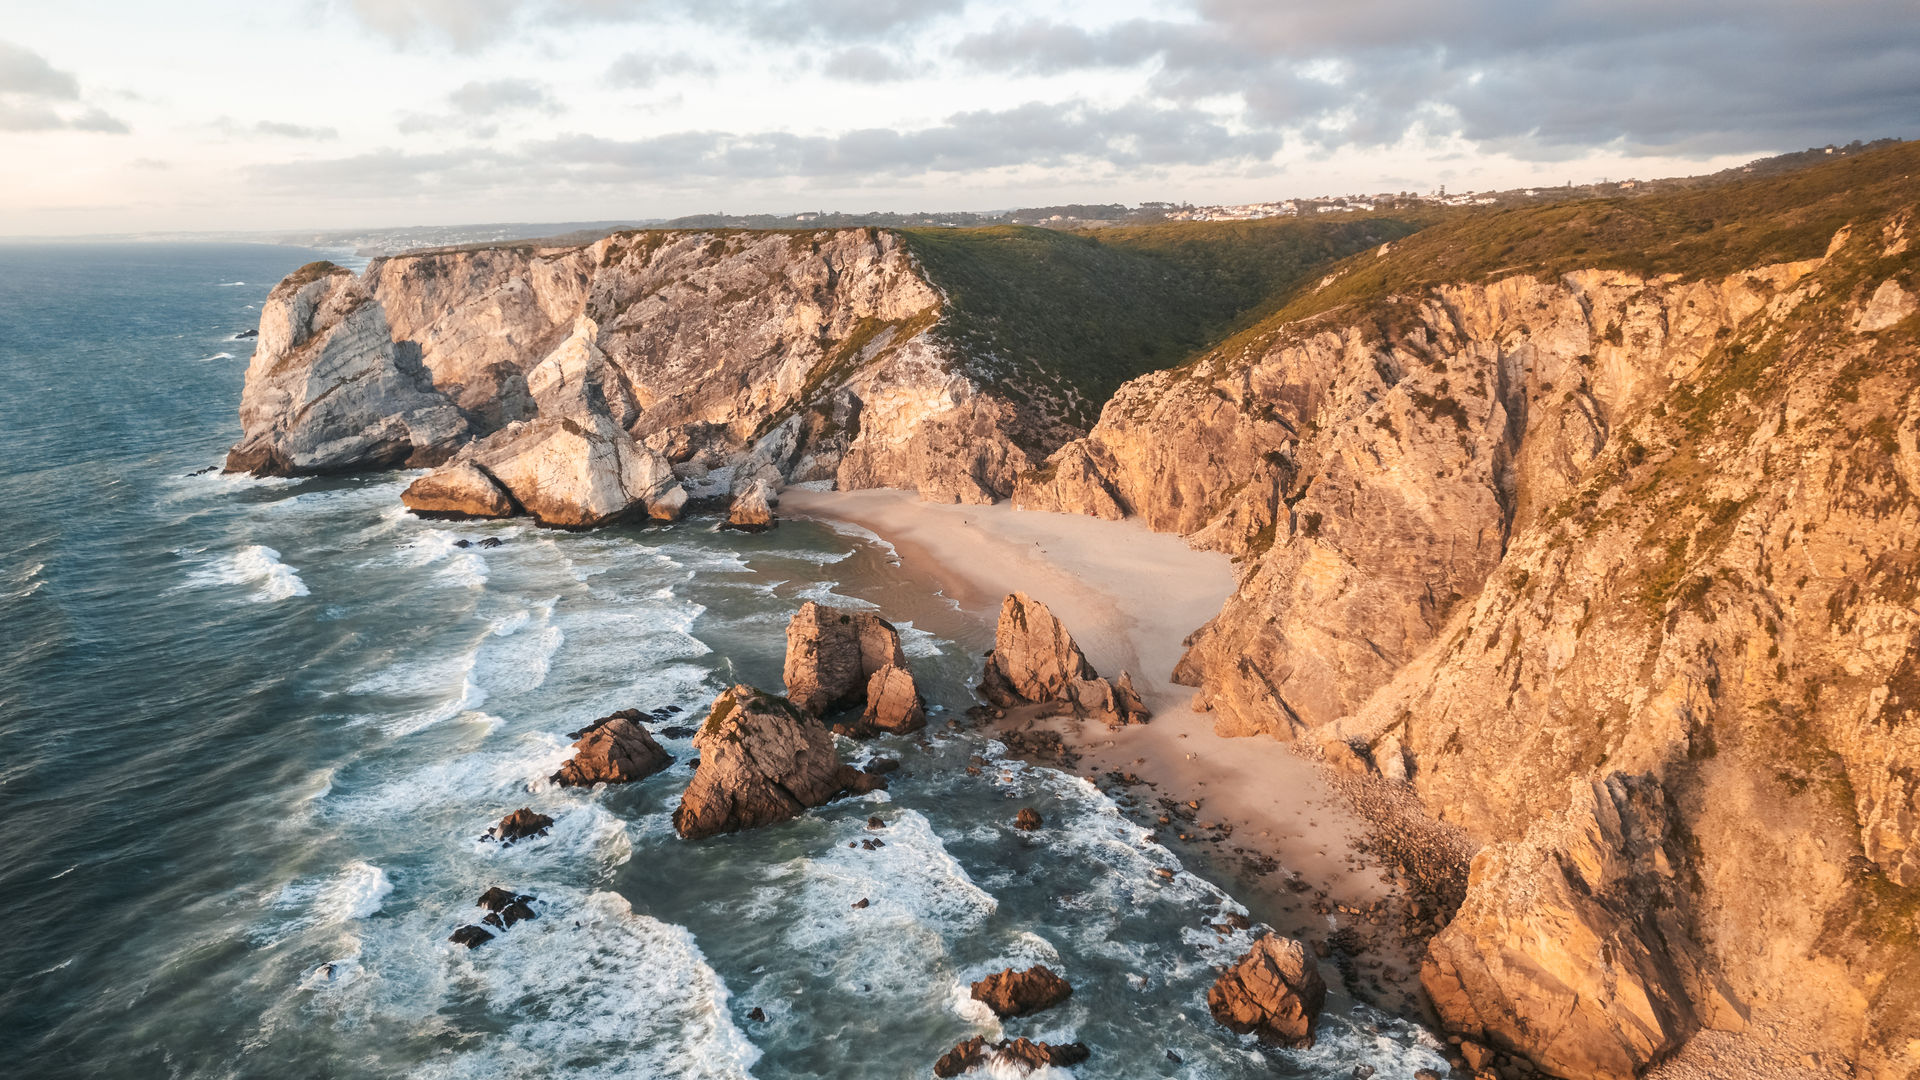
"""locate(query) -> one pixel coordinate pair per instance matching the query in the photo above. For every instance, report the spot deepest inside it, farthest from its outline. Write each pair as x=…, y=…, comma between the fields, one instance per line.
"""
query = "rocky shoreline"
x=1582, y=571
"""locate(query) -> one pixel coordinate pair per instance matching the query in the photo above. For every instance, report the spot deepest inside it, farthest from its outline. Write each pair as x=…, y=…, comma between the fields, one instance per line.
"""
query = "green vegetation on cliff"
x=1695, y=233
x=1060, y=319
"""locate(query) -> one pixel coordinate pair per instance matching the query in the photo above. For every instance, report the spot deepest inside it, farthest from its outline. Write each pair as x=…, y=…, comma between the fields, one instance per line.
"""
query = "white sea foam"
x=918, y=644
x=848, y=528
x=490, y=778
x=357, y=892
x=818, y=558
x=215, y=356
x=517, y=655
x=466, y=570
x=821, y=592
x=652, y=1005
x=22, y=582
x=227, y=284
x=254, y=564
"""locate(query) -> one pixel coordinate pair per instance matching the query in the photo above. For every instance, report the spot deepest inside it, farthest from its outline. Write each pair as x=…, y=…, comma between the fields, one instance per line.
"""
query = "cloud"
x=1075, y=137
x=36, y=96
x=274, y=129
x=1535, y=78
x=474, y=109
x=497, y=96
x=25, y=72
x=472, y=24
x=864, y=63
x=640, y=71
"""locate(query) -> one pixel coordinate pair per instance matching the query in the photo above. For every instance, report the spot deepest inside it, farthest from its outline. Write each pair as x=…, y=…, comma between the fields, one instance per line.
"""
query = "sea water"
x=252, y=731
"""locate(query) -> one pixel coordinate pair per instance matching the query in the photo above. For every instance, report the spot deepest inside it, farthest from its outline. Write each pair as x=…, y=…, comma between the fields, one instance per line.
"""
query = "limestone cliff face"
x=737, y=356
x=1533, y=533
x=329, y=391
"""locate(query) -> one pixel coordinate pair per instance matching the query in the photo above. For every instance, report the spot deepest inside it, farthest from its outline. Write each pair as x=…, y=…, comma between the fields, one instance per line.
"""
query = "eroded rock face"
x=752, y=509
x=1013, y=993
x=1035, y=660
x=577, y=472
x=613, y=750
x=834, y=653
x=1573, y=947
x=1497, y=538
x=762, y=760
x=1275, y=992
x=893, y=702
x=327, y=391
x=458, y=491
x=1034, y=657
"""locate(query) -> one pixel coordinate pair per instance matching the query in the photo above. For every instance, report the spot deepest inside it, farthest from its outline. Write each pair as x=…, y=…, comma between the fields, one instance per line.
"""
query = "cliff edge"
x=1614, y=499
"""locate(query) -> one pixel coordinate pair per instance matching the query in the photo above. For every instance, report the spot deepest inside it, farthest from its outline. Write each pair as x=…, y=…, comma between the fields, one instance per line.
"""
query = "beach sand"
x=1130, y=597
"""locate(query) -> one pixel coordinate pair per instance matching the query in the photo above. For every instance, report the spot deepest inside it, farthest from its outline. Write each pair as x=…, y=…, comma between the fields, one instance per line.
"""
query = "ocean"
x=251, y=733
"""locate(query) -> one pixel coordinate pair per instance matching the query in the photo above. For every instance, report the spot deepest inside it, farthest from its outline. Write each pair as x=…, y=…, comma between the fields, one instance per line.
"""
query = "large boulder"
x=576, y=472
x=1034, y=657
x=328, y=391
x=612, y=750
x=1275, y=992
x=458, y=491
x=762, y=760
x=893, y=703
x=1013, y=993
x=752, y=509
x=1571, y=949
x=833, y=654
x=1035, y=660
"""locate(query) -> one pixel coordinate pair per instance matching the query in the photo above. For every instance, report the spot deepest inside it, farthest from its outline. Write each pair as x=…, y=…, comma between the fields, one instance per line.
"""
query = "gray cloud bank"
x=1038, y=134
x=1539, y=79
x=1219, y=84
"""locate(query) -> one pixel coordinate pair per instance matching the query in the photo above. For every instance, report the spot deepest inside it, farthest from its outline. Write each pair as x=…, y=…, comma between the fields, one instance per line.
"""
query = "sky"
x=200, y=115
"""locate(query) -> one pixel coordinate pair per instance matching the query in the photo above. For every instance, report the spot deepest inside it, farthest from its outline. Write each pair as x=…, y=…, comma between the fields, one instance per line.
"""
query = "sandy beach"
x=1130, y=597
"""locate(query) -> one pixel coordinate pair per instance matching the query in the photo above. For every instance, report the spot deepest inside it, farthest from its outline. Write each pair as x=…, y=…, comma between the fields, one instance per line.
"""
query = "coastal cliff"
x=944, y=362
x=734, y=353
x=1595, y=524
x=1592, y=523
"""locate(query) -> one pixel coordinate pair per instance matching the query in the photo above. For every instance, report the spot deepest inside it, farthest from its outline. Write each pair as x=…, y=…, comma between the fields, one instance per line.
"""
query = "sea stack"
x=762, y=760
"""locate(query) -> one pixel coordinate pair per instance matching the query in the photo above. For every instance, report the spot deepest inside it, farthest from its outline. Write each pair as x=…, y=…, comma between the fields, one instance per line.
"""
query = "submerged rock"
x=1023, y=1054
x=763, y=760
x=456, y=492
x=1013, y=993
x=504, y=907
x=328, y=392
x=613, y=750
x=519, y=825
x=1274, y=992
x=1027, y=820
x=1034, y=1055
x=471, y=936
x=833, y=654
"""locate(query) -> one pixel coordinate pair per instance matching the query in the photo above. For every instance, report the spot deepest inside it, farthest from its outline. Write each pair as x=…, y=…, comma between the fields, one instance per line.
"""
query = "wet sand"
x=1269, y=826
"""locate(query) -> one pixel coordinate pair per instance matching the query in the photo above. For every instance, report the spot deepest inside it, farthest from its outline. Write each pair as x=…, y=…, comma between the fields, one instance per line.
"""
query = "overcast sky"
x=223, y=114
